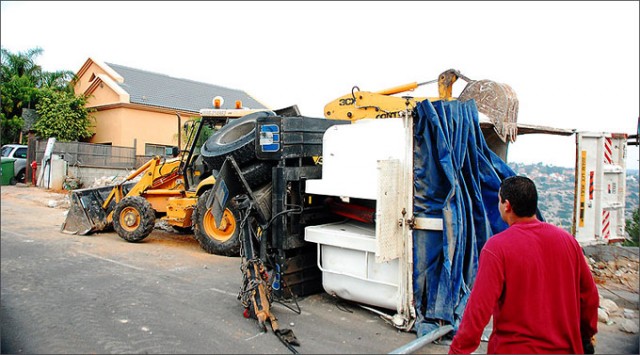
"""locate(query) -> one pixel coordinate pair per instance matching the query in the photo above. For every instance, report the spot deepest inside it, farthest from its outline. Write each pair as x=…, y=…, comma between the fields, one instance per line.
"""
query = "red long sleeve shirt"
x=534, y=280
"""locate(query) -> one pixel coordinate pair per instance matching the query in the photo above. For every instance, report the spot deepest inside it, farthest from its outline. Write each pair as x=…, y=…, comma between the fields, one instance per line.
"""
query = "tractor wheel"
x=237, y=139
x=133, y=218
x=220, y=240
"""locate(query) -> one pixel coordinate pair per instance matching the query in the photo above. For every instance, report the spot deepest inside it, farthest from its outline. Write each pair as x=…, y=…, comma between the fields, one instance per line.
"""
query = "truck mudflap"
x=86, y=214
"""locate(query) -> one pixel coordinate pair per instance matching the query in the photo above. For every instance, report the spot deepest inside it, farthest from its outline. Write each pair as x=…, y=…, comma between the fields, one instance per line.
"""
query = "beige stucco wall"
x=108, y=128
x=102, y=95
x=122, y=126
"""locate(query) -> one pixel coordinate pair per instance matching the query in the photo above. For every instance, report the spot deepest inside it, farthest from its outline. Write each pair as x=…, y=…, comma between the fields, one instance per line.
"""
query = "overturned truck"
x=394, y=218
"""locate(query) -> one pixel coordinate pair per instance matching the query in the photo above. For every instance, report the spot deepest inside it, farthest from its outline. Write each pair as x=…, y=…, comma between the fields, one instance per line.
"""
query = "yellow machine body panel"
x=180, y=210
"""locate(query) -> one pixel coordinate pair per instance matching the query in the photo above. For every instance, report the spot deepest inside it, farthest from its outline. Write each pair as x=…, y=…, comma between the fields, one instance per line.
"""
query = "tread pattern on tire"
x=147, y=218
x=257, y=174
x=243, y=156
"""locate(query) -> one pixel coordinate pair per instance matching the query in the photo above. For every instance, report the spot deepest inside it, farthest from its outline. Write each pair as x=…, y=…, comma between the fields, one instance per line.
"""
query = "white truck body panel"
x=350, y=154
x=369, y=159
x=600, y=188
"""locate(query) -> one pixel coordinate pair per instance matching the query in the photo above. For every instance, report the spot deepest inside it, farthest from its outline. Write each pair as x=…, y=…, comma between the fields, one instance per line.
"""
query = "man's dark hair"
x=521, y=193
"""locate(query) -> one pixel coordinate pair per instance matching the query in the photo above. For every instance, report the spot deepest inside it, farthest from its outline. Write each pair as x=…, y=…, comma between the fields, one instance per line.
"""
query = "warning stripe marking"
x=608, y=159
x=606, y=233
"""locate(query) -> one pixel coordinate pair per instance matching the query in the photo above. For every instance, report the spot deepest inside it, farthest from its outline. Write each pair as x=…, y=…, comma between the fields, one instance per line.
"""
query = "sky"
x=571, y=64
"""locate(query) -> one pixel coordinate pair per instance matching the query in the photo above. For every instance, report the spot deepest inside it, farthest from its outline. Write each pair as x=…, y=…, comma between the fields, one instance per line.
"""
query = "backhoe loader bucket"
x=86, y=214
x=498, y=102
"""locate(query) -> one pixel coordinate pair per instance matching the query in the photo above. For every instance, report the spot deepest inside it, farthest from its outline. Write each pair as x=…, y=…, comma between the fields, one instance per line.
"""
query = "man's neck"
x=517, y=219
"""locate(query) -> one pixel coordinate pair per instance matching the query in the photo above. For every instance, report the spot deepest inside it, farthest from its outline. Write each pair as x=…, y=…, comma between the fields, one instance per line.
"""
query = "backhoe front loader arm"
x=117, y=192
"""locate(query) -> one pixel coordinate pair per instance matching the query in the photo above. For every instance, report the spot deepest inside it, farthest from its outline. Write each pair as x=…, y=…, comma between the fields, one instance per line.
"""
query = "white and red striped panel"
x=608, y=157
x=606, y=224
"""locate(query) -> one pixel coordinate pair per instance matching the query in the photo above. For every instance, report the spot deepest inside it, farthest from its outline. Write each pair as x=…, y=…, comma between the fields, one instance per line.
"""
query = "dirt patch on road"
x=183, y=246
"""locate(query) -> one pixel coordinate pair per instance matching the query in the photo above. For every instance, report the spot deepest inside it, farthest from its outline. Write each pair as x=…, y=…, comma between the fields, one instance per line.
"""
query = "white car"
x=18, y=152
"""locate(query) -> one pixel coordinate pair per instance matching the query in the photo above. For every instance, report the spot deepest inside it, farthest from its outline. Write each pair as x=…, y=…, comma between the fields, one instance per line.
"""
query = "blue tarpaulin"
x=456, y=178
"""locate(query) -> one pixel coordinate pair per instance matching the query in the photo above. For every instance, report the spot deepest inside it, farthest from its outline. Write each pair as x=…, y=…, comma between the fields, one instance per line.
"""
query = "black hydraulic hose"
x=283, y=341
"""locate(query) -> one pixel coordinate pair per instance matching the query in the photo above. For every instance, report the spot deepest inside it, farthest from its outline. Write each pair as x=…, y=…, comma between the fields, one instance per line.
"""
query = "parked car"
x=18, y=152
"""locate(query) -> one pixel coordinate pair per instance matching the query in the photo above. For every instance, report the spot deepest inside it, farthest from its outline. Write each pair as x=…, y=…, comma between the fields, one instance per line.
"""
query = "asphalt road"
x=63, y=294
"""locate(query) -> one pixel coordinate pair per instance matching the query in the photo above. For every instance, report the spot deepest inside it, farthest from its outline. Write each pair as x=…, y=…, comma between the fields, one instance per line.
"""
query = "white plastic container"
x=346, y=257
x=55, y=172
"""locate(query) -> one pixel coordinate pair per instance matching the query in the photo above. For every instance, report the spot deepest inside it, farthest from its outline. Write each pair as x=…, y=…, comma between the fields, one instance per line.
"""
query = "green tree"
x=18, y=93
x=21, y=81
x=633, y=229
x=63, y=115
x=20, y=64
x=19, y=75
x=58, y=80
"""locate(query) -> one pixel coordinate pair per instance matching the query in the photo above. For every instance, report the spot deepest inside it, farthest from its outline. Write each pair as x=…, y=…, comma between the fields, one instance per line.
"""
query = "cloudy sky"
x=572, y=64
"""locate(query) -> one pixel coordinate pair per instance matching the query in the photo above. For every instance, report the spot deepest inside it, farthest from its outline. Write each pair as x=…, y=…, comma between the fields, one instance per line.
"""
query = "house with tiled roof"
x=138, y=108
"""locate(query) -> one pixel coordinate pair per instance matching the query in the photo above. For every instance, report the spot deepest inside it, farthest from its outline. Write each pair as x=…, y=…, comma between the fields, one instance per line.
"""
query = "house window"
x=151, y=149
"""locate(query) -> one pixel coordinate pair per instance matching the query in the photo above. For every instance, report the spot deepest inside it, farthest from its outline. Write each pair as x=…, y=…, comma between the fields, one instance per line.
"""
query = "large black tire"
x=134, y=218
x=224, y=241
x=21, y=177
x=237, y=139
x=257, y=174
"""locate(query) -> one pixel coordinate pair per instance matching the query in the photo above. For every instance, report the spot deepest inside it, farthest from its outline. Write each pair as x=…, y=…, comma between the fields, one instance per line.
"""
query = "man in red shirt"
x=534, y=281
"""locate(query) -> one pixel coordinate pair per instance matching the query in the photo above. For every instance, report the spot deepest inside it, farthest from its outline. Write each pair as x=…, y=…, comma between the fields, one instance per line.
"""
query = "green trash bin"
x=7, y=171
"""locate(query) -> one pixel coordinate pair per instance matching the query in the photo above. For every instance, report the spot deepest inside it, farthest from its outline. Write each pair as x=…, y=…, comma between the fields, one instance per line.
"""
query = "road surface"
x=64, y=293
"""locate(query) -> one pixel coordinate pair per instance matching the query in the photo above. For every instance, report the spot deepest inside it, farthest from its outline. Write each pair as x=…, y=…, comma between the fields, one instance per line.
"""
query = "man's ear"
x=507, y=206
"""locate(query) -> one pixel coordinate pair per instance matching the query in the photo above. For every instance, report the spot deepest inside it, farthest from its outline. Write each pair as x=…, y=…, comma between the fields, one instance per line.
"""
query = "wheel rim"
x=130, y=219
x=227, y=226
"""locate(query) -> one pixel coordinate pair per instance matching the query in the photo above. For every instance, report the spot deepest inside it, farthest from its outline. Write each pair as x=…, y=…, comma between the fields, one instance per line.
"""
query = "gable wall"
x=83, y=82
x=102, y=95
